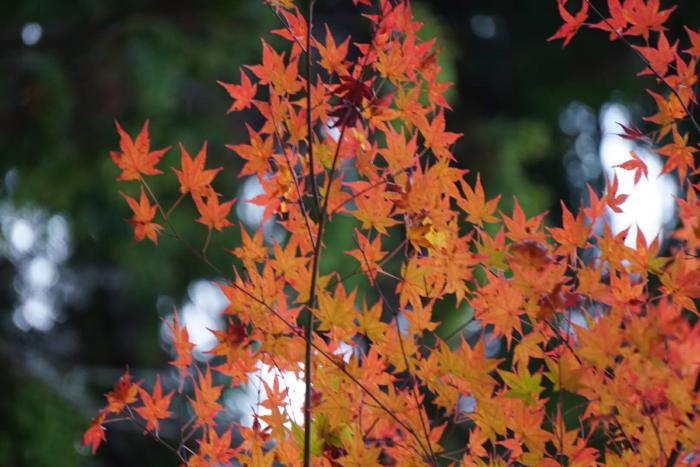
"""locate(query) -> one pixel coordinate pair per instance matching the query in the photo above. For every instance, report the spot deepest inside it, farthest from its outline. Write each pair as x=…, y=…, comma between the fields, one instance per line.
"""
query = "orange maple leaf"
x=143, y=215
x=183, y=346
x=212, y=213
x=436, y=138
x=95, y=433
x=257, y=154
x=475, y=205
x=193, y=177
x=669, y=111
x=136, y=158
x=217, y=449
x=242, y=94
x=573, y=234
x=123, y=393
x=680, y=155
x=206, y=395
x=155, y=407
x=332, y=56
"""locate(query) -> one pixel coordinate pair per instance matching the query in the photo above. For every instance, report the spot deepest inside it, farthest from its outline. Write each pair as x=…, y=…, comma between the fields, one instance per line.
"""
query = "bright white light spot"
x=22, y=235
x=345, y=350
x=38, y=313
x=31, y=33
x=251, y=214
x=483, y=26
x=466, y=404
x=650, y=204
x=41, y=273
x=332, y=130
x=57, y=238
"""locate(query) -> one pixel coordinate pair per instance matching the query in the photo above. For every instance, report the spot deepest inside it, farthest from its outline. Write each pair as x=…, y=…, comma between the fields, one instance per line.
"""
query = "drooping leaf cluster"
x=359, y=131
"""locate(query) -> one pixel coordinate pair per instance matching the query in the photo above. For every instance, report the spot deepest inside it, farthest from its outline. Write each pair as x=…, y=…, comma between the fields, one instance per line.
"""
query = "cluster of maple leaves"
x=365, y=137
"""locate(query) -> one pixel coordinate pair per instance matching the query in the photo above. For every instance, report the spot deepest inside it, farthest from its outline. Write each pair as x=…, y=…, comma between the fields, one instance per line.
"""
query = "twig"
x=646, y=62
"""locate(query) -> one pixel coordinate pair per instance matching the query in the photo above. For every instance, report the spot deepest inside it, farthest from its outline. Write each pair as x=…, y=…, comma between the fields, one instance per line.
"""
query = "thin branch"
x=646, y=62
x=412, y=379
x=309, y=126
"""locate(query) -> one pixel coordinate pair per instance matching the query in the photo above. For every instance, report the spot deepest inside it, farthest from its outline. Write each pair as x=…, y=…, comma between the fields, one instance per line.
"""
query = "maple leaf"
x=242, y=94
x=399, y=153
x=370, y=323
x=123, y=393
x=294, y=31
x=521, y=229
x=636, y=164
x=217, y=449
x=573, y=234
x=680, y=155
x=659, y=57
x=612, y=198
x=337, y=310
x=155, y=407
x=252, y=250
x=136, y=158
x=475, y=205
x=436, y=138
x=617, y=22
x=95, y=433
x=413, y=285
x=694, y=37
x=669, y=111
x=596, y=205
x=571, y=23
x=350, y=93
x=633, y=133
x=332, y=57
x=368, y=254
x=143, y=215
x=358, y=454
x=257, y=154
x=206, y=395
x=183, y=346
x=212, y=213
x=193, y=177
x=283, y=78
x=645, y=16
x=499, y=303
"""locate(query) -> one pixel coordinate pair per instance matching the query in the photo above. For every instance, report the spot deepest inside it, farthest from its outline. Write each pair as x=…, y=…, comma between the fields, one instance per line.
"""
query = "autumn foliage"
x=359, y=131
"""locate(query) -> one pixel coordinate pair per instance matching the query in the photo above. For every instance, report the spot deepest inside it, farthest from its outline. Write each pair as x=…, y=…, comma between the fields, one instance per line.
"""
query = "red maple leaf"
x=571, y=23
x=617, y=22
x=644, y=16
x=636, y=164
x=612, y=198
x=659, y=57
